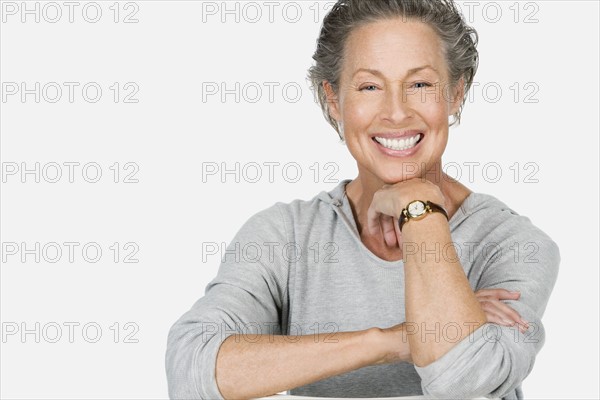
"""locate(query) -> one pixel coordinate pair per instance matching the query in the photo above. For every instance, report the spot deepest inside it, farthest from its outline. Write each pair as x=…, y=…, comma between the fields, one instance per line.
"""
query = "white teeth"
x=399, y=144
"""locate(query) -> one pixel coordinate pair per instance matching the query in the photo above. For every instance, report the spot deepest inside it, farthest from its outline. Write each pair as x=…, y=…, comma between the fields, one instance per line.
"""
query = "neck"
x=361, y=190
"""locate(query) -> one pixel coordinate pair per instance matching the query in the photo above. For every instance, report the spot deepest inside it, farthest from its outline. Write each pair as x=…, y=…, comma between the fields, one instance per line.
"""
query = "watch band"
x=437, y=208
x=429, y=208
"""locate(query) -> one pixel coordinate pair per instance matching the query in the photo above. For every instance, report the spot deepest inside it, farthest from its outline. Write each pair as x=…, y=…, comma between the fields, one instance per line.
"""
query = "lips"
x=398, y=144
x=397, y=135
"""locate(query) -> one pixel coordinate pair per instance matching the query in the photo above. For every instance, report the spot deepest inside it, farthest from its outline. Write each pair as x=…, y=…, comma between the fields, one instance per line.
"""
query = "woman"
x=399, y=282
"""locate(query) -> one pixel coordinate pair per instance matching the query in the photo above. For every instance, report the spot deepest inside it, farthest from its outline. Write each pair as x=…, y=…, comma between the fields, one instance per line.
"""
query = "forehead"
x=393, y=46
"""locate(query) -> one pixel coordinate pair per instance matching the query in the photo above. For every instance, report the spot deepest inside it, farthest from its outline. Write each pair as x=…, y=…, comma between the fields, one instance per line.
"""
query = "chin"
x=393, y=179
x=403, y=172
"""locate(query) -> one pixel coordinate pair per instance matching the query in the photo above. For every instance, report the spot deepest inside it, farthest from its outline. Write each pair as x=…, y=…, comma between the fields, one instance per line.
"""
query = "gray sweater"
x=300, y=268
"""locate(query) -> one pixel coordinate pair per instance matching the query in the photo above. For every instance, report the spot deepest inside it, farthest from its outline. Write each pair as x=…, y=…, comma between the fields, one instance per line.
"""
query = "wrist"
x=425, y=191
x=390, y=345
x=375, y=341
x=431, y=221
x=417, y=210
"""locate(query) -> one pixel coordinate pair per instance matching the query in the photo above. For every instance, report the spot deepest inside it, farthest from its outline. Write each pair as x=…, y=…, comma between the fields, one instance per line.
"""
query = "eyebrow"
x=408, y=73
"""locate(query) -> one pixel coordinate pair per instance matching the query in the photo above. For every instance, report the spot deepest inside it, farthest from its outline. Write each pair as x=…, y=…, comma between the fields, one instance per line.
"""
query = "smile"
x=399, y=144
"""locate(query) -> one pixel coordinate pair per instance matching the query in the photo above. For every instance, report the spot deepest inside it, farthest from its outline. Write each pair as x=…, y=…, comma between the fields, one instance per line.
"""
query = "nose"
x=396, y=108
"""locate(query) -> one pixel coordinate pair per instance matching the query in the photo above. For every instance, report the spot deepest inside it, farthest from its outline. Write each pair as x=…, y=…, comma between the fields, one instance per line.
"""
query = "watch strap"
x=437, y=208
x=403, y=218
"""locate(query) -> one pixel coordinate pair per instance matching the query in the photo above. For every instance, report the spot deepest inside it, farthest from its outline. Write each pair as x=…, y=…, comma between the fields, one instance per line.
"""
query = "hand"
x=498, y=312
x=389, y=201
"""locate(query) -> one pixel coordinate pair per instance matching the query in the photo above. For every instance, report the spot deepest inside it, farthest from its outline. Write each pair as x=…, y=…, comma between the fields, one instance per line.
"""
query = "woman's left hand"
x=389, y=201
x=496, y=311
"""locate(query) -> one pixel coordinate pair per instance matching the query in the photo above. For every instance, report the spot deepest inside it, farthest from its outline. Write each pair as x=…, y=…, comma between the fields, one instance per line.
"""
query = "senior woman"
x=399, y=282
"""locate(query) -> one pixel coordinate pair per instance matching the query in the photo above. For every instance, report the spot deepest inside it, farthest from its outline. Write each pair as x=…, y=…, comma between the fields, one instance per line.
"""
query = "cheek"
x=357, y=113
x=434, y=112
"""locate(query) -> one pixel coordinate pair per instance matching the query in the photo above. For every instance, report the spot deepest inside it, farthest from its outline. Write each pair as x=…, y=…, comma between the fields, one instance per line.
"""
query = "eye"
x=420, y=85
x=368, y=88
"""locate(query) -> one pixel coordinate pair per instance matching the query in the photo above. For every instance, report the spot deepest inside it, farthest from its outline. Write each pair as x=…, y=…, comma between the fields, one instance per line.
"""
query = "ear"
x=332, y=101
x=458, y=94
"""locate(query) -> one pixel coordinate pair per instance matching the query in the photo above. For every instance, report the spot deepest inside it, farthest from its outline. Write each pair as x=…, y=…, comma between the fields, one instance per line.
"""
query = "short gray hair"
x=459, y=41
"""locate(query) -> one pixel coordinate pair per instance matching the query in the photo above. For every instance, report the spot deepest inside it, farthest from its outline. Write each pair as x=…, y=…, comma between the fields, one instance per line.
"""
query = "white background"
x=171, y=134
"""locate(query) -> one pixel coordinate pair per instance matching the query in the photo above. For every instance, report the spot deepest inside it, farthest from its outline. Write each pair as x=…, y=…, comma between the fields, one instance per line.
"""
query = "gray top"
x=295, y=268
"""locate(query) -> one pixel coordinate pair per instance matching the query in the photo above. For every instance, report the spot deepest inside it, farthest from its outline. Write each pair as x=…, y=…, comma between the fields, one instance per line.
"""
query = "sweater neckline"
x=342, y=207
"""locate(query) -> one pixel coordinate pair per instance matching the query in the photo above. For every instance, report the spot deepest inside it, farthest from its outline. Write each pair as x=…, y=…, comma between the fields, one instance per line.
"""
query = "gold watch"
x=418, y=209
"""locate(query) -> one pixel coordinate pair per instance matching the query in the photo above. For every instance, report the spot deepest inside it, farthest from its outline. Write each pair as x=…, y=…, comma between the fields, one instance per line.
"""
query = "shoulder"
x=284, y=216
x=492, y=216
x=496, y=225
x=513, y=252
x=319, y=205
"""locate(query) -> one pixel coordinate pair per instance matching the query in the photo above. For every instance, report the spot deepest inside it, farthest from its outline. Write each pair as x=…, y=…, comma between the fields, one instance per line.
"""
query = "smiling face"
x=394, y=99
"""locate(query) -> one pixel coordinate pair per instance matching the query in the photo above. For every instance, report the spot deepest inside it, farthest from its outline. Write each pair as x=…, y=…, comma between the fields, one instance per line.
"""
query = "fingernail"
x=525, y=323
x=516, y=292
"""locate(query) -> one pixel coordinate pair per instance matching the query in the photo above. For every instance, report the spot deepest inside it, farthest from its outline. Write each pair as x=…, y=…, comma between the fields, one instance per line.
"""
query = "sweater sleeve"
x=493, y=360
x=247, y=296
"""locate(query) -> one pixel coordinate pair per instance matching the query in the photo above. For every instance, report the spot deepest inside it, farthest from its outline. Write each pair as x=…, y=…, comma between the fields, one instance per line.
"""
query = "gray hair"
x=459, y=41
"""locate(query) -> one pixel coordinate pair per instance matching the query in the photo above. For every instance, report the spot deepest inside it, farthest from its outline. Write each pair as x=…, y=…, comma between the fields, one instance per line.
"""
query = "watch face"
x=416, y=208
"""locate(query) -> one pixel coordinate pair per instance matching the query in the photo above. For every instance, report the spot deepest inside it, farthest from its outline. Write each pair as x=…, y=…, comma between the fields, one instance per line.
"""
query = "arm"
x=230, y=343
x=494, y=360
x=248, y=295
x=268, y=364
x=250, y=364
x=437, y=290
x=476, y=359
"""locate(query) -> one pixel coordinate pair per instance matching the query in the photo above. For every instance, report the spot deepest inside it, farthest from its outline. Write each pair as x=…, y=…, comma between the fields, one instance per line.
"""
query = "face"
x=394, y=99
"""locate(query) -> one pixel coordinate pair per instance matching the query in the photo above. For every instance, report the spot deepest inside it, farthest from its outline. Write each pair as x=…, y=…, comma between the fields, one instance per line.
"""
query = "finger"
x=373, y=224
x=522, y=327
x=398, y=233
x=506, y=311
x=491, y=297
x=499, y=294
x=389, y=233
x=493, y=314
x=496, y=318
